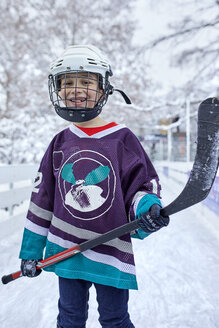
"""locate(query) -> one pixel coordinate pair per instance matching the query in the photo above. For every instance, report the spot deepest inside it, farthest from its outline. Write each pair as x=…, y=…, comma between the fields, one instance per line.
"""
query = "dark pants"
x=73, y=304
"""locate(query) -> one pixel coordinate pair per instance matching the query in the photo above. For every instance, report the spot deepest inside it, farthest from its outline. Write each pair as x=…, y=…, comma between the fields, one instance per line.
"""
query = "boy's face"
x=80, y=89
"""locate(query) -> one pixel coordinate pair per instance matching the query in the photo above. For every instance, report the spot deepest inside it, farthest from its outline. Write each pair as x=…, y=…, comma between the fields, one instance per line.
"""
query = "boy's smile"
x=80, y=89
x=78, y=101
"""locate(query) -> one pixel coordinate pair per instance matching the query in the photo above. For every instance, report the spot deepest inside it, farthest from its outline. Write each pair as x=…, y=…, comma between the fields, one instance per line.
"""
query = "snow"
x=177, y=268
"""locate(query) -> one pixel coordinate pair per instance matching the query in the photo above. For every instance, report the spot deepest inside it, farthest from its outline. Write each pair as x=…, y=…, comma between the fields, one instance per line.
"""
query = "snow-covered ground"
x=178, y=275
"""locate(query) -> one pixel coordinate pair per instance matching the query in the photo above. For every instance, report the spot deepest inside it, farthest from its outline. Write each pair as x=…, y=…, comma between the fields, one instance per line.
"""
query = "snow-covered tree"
x=193, y=43
x=33, y=33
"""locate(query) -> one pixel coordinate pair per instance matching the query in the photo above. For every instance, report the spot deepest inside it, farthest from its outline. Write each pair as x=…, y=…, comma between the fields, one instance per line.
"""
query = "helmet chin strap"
x=125, y=97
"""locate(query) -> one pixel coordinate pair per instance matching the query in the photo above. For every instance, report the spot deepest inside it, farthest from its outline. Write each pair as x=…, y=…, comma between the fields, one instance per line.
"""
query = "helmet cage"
x=79, y=96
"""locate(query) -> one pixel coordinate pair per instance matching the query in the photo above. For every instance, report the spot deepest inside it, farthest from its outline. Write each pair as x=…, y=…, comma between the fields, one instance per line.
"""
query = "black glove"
x=152, y=220
x=28, y=268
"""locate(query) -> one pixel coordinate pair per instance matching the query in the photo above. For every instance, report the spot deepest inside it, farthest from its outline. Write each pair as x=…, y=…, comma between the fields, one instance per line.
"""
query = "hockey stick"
x=206, y=160
x=197, y=188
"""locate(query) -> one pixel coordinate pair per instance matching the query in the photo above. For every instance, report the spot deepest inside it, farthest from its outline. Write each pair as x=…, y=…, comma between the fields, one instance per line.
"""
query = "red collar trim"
x=92, y=131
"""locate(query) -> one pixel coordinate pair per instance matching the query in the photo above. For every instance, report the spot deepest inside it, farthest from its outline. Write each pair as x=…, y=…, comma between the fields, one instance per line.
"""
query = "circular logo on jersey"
x=87, y=184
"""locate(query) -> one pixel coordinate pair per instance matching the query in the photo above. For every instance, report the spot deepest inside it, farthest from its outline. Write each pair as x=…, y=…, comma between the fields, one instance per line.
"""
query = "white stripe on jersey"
x=121, y=245
x=94, y=256
x=36, y=228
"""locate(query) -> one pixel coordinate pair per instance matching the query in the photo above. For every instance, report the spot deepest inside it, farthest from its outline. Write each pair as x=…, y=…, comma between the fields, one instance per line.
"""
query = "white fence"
x=16, y=184
x=180, y=171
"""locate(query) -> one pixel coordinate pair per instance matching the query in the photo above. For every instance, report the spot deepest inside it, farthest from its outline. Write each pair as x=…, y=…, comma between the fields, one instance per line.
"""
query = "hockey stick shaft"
x=197, y=188
x=115, y=233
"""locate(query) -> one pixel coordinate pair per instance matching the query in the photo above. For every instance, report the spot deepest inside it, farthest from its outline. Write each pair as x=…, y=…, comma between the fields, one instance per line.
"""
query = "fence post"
x=188, y=129
x=169, y=143
x=11, y=208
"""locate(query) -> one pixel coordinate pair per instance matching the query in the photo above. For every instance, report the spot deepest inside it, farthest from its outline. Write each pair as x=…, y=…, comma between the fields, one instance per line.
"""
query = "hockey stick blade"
x=197, y=188
x=206, y=160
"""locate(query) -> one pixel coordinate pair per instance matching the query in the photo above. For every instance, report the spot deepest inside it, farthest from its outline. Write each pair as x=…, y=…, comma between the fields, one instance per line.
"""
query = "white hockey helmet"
x=74, y=60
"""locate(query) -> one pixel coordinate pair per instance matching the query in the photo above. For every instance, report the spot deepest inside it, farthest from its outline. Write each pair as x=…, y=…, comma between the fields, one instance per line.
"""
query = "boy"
x=93, y=177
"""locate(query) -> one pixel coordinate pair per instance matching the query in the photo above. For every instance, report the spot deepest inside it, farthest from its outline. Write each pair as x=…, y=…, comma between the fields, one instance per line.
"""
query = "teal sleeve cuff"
x=143, y=206
x=32, y=246
x=140, y=234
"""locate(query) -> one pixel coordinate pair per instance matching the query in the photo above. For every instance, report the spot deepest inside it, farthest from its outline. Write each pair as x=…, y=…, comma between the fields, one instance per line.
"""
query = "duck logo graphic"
x=85, y=195
x=87, y=185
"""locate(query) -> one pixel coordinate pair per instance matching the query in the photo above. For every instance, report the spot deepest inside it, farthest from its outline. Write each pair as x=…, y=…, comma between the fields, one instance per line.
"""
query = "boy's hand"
x=152, y=220
x=28, y=268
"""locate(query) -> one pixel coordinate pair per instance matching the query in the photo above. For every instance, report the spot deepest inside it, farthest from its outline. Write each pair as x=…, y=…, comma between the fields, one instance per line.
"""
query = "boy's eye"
x=87, y=82
x=65, y=83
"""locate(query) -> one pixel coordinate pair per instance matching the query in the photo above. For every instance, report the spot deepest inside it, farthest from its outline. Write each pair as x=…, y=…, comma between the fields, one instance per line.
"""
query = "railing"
x=16, y=184
x=180, y=171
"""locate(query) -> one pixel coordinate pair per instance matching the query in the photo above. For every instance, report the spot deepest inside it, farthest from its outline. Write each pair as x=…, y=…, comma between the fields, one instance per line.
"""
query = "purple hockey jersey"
x=86, y=186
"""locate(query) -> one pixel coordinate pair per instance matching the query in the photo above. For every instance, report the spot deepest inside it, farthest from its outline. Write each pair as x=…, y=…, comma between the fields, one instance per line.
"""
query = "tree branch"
x=179, y=33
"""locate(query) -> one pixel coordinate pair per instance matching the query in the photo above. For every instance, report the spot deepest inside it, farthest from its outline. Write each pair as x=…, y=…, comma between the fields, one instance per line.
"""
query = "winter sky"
x=154, y=18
